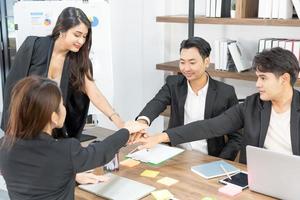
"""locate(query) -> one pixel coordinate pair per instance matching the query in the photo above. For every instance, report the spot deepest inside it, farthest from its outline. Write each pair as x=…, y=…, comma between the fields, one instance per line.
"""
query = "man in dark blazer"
x=270, y=119
x=194, y=95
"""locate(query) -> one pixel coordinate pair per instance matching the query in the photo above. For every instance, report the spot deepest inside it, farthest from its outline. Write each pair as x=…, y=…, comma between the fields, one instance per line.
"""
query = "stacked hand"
x=138, y=135
x=136, y=130
x=150, y=141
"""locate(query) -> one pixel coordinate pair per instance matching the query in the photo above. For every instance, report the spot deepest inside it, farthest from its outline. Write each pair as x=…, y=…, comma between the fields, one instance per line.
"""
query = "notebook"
x=273, y=173
x=214, y=169
x=156, y=154
x=119, y=188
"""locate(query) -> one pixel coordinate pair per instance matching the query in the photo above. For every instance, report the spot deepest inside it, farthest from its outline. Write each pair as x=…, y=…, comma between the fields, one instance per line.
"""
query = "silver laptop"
x=273, y=173
x=4, y=195
x=119, y=188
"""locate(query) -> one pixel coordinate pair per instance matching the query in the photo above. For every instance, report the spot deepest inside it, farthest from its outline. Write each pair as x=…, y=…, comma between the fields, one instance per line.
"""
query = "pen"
x=225, y=171
x=134, y=150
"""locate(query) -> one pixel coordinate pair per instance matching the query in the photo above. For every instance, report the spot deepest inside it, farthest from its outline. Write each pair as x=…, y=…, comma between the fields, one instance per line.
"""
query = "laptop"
x=273, y=174
x=119, y=188
x=3, y=189
x=4, y=195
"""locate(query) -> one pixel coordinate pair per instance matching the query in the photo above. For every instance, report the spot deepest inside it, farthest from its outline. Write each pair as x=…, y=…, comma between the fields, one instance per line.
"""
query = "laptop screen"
x=273, y=173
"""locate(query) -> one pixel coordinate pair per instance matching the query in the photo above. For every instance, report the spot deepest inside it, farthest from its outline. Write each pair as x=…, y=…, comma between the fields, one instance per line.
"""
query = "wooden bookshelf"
x=173, y=66
x=230, y=21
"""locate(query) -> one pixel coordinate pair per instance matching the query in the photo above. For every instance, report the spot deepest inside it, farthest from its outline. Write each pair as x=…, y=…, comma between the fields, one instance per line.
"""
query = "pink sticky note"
x=230, y=189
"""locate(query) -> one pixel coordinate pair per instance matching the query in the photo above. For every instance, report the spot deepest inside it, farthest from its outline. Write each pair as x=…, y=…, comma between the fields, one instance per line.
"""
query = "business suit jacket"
x=33, y=58
x=220, y=97
x=253, y=116
x=45, y=168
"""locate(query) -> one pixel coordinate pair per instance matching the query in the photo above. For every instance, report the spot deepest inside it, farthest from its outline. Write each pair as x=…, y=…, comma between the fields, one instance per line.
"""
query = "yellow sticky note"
x=129, y=162
x=150, y=173
x=208, y=198
x=162, y=195
x=167, y=181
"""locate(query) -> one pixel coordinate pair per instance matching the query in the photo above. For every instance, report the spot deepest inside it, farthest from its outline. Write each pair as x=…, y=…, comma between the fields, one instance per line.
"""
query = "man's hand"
x=135, y=137
x=151, y=141
x=89, y=178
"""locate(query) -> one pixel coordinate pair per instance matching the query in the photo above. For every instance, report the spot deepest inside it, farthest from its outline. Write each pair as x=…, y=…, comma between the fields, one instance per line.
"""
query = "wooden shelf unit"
x=230, y=21
x=173, y=66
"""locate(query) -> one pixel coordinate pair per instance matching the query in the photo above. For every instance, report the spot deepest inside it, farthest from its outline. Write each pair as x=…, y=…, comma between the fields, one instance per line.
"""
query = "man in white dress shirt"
x=194, y=95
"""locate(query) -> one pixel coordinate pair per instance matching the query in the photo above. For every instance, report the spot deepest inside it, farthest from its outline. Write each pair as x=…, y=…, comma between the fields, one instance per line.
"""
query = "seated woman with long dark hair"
x=33, y=163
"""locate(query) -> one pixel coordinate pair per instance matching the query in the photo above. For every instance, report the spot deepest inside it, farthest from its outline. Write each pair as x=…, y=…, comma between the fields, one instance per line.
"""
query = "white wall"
x=248, y=36
x=137, y=45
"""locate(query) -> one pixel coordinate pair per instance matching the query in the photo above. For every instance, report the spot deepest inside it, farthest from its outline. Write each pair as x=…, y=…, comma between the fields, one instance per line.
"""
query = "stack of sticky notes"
x=150, y=173
x=167, y=181
x=129, y=162
x=162, y=195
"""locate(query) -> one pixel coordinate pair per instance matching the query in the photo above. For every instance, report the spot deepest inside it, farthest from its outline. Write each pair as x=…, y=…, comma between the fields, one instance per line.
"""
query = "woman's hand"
x=89, y=178
x=135, y=127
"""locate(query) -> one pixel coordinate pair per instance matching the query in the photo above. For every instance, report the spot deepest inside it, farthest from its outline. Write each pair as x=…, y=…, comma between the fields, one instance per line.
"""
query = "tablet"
x=239, y=179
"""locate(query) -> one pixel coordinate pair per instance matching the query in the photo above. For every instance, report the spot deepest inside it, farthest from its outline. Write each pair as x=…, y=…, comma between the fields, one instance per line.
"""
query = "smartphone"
x=239, y=179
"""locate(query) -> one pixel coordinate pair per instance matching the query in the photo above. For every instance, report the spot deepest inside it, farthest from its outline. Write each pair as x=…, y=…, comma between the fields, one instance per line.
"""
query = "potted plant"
x=233, y=8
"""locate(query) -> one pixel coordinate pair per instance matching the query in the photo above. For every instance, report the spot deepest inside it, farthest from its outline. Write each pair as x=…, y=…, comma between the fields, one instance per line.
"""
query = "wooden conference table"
x=190, y=186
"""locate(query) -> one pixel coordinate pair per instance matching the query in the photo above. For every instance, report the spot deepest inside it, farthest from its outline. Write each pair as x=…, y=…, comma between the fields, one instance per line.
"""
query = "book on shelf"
x=214, y=169
x=289, y=44
x=292, y=45
x=268, y=43
x=217, y=8
x=207, y=8
x=296, y=49
x=223, y=58
x=223, y=8
x=275, y=9
x=246, y=8
x=212, y=8
x=297, y=7
x=238, y=56
x=265, y=9
x=285, y=9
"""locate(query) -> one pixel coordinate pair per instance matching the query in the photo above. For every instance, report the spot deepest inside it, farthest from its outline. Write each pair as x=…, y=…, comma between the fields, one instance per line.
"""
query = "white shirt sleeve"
x=144, y=118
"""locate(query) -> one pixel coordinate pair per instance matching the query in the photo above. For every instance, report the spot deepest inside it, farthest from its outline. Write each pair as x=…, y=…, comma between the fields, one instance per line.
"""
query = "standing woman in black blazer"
x=34, y=164
x=63, y=57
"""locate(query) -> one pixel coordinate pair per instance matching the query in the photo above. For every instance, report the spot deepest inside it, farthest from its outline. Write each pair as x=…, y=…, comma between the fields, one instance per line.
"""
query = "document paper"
x=155, y=155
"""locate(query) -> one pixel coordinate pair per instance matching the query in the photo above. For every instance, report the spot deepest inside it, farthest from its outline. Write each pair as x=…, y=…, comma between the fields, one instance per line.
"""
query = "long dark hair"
x=33, y=101
x=80, y=64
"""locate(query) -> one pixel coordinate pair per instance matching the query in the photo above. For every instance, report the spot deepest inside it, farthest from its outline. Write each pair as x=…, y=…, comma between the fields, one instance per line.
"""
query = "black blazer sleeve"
x=18, y=71
x=233, y=144
x=97, y=153
x=158, y=104
x=231, y=120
